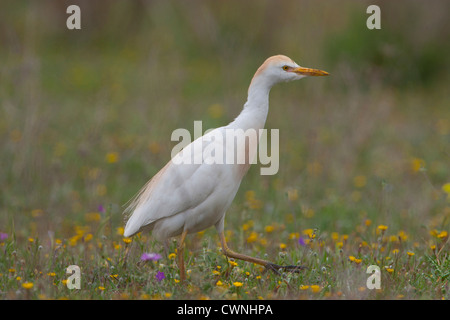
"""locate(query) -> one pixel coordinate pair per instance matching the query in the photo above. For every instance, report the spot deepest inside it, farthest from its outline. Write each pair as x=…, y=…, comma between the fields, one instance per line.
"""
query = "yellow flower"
x=112, y=157
x=51, y=274
x=390, y=270
x=167, y=294
x=368, y=222
x=215, y=272
x=315, y=288
x=120, y=231
x=27, y=285
x=92, y=216
x=382, y=227
x=442, y=234
x=303, y=287
x=238, y=284
x=359, y=181
x=410, y=253
x=395, y=251
x=446, y=188
x=73, y=240
x=358, y=261
x=18, y=278
x=252, y=202
x=154, y=147
x=283, y=246
x=81, y=230
x=200, y=233
x=294, y=235
x=249, y=195
x=351, y=258
x=292, y=194
x=232, y=263
x=215, y=111
x=269, y=229
x=127, y=240
x=310, y=233
x=101, y=288
x=402, y=235
x=252, y=237
x=31, y=240
x=172, y=255
x=219, y=283
x=393, y=238
x=88, y=237
x=417, y=164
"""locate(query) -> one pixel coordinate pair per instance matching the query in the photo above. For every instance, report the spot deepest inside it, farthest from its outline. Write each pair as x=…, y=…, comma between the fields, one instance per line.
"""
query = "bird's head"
x=280, y=68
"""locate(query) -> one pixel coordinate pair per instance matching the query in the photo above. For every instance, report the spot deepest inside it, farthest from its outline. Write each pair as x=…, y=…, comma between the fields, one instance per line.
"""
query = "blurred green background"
x=86, y=115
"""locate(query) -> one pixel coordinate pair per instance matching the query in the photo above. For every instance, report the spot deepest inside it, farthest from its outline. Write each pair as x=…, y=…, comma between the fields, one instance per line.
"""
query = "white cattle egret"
x=185, y=197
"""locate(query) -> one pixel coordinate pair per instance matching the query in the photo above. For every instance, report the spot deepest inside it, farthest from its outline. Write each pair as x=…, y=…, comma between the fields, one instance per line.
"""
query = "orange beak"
x=310, y=72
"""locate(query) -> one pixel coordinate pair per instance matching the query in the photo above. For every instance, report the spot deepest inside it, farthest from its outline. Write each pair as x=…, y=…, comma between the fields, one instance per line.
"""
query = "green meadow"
x=86, y=118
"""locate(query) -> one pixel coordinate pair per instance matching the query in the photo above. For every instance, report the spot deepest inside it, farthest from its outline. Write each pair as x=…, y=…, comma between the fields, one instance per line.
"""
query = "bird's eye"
x=285, y=68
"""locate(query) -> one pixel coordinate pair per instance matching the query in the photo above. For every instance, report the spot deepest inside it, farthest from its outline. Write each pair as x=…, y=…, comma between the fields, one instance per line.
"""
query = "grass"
x=86, y=120
x=112, y=268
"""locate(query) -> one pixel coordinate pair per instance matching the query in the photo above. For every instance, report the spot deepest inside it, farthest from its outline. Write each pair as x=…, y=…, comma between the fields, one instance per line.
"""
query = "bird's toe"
x=277, y=268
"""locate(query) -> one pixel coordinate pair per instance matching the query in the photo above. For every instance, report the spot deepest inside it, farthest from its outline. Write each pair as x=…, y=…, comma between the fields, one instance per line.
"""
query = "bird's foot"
x=277, y=268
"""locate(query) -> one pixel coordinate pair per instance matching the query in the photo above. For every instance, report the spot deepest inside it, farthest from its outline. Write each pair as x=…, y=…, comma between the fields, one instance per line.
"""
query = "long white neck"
x=255, y=111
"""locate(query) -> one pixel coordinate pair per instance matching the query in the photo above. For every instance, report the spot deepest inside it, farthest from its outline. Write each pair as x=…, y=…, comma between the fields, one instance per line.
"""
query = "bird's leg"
x=180, y=256
x=231, y=254
x=268, y=265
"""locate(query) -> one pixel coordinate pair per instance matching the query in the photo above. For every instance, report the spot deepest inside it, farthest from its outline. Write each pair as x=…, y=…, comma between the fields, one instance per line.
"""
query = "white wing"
x=178, y=188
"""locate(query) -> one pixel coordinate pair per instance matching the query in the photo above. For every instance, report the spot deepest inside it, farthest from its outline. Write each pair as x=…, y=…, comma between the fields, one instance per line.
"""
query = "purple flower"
x=101, y=209
x=159, y=276
x=301, y=241
x=3, y=236
x=150, y=256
